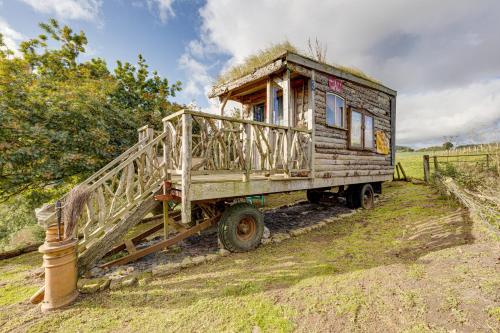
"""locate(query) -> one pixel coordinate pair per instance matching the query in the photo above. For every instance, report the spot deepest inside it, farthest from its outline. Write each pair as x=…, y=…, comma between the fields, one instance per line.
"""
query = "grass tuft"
x=265, y=56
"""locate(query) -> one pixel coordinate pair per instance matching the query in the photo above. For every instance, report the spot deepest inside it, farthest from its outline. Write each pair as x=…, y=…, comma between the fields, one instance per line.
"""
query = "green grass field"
x=412, y=162
x=400, y=267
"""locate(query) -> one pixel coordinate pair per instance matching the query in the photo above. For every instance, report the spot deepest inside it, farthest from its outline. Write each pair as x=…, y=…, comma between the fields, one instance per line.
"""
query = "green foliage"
x=61, y=118
x=404, y=149
x=447, y=145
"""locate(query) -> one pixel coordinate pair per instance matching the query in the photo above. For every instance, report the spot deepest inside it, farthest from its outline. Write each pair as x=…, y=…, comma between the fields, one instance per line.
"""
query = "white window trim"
x=344, y=112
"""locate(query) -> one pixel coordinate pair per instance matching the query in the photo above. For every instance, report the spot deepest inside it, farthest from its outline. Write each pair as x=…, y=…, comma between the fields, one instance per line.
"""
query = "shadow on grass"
x=405, y=226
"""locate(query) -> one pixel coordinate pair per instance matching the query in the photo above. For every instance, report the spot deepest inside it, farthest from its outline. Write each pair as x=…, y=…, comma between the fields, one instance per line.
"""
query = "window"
x=277, y=108
x=258, y=112
x=356, y=129
x=335, y=110
x=361, y=131
x=368, y=132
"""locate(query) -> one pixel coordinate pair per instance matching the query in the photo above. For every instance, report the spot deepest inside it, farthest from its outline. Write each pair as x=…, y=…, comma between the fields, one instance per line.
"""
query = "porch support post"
x=287, y=119
x=311, y=120
x=186, y=167
x=269, y=101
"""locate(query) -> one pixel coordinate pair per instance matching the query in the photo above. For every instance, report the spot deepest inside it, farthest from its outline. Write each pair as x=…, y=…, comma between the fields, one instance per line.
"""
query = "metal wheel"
x=246, y=228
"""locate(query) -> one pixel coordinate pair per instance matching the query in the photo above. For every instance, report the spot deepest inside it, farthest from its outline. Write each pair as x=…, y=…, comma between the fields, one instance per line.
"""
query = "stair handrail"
x=45, y=214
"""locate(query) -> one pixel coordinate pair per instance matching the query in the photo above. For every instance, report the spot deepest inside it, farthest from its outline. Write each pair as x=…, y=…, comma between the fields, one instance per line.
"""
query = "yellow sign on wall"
x=382, y=142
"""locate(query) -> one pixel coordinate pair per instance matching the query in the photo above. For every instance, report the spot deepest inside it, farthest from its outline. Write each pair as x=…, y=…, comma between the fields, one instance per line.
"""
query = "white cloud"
x=464, y=112
x=426, y=50
x=163, y=8
x=87, y=10
x=11, y=37
x=199, y=80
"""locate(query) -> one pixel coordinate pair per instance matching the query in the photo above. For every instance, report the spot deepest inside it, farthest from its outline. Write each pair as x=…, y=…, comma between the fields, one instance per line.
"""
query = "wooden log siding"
x=332, y=156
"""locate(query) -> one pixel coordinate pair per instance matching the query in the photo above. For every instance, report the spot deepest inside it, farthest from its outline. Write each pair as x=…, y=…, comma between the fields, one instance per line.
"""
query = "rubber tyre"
x=230, y=223
x=366, y=197
x=352, y=197
x=313, y=196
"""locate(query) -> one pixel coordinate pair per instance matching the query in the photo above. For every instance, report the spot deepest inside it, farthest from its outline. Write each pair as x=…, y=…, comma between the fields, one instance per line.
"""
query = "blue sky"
x=441, y=57
x=123, y=29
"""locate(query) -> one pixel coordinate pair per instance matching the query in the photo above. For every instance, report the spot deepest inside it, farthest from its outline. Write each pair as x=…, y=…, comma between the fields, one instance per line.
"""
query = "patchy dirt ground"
x=282, y=213
x=415, y=263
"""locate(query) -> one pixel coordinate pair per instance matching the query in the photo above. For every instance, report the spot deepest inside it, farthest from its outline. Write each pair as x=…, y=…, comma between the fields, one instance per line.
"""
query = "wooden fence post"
x=426, y=168
x=402, y=171
x=186, y=167
x=436, y=165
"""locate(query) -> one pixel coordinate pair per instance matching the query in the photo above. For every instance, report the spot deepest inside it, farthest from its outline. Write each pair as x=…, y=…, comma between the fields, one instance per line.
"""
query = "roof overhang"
x=289, y=58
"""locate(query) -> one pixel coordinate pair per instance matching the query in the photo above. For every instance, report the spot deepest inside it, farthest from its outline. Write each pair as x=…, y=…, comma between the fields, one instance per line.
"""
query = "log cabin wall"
x=333, y=158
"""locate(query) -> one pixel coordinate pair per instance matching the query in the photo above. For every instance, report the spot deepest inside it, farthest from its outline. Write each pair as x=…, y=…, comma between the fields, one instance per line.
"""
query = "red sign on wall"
x=335, y=85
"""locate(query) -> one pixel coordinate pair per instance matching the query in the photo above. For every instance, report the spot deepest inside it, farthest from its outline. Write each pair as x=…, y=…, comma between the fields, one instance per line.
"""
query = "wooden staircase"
x=121, y=194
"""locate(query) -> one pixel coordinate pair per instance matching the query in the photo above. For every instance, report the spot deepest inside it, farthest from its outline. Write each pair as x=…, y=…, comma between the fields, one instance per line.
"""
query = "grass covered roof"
x=267, y=55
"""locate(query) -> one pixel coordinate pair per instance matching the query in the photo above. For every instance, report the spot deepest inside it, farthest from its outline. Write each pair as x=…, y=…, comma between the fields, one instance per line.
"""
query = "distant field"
x=412, y=162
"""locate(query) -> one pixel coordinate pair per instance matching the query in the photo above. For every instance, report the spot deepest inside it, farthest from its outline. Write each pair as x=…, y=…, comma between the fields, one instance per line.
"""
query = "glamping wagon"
x=303, y=125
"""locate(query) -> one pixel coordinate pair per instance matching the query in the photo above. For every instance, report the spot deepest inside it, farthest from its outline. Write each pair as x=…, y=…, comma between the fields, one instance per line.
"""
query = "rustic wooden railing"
x=203, y=143
x=122, y=189
x=224, y=144
x=118, y=188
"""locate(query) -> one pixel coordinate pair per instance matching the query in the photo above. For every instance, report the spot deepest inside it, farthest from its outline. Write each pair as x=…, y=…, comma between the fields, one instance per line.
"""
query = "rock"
x=211, y=257
x=187, y=262
x=96, y=271
x=105, y=285
x=331, y=220
x=115, y=283
x=224, y=252
x=279, y=237
x=347, y=214
x=265, y=241
x=129, y=281
x=90, y=288
x=82, y=282
x=199, y=260
x=167, y=269
x=296, y=232
x=130, y=269
x=266, y=234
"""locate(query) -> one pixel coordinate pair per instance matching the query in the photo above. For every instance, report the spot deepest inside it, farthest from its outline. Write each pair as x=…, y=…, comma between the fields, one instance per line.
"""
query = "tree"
x=61, y=119
x=447, y=145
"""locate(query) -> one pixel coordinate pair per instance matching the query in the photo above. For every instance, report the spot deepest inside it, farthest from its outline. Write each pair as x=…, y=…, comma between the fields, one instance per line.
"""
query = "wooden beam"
x=259, y=73
x=162, y=244
x=186, y=167
x=224, y=102
x=176, y=216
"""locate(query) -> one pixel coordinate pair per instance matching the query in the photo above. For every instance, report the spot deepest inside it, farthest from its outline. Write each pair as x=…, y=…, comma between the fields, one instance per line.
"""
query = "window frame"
x=344, y=112
x=254, y=106
x=364, y=113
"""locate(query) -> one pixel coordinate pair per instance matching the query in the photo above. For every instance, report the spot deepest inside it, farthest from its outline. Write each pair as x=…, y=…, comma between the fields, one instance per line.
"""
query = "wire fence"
x=421, y=165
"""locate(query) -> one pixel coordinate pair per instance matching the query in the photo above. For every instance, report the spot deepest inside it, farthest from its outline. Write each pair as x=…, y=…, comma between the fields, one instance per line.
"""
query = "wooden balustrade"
x=224, y=144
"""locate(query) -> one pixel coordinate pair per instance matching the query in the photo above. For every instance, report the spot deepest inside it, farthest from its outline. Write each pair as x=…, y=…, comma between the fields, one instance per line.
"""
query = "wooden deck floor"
x=227, y=185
